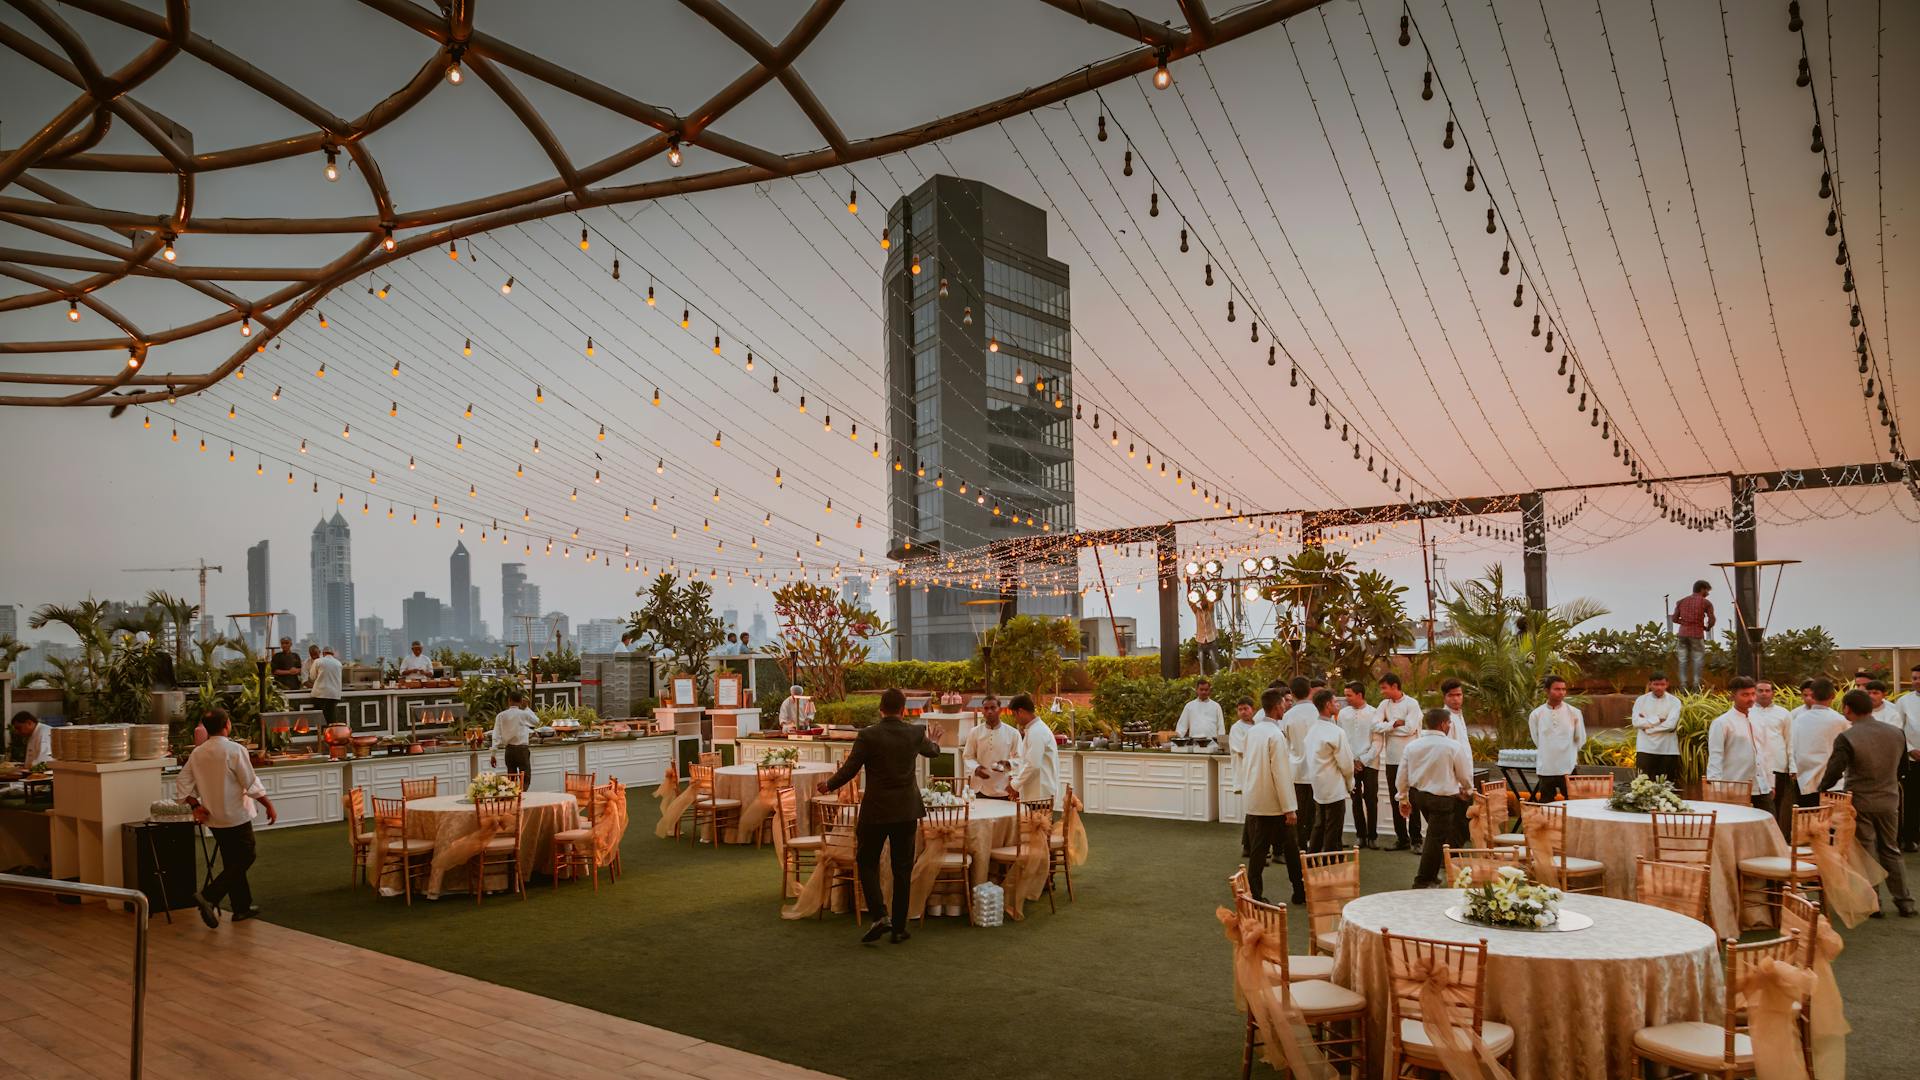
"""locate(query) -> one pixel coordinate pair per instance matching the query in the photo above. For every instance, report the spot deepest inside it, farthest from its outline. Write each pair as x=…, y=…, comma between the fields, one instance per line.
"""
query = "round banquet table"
x=991, y=823
x=446, y=818
x=1574, y=999
x=1615, y=838
x=742, y=782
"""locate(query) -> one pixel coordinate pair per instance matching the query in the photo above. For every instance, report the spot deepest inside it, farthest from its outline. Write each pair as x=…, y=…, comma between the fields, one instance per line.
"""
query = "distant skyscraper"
x=519, y=599
x=476, y=626
x=460, y=593
x=332, y=566
x=978, y=379
x=600, y=635
x=257, y=593
x=420, y=617
x=286, y=626
x=370, y=639
x=557, y=627
x=10, y=619
x=760, y=627
x=730, y=618
x=856, y=590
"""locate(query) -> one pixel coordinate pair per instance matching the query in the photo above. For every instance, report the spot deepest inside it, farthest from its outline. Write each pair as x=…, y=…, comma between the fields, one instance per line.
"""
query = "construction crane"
x=206, y=623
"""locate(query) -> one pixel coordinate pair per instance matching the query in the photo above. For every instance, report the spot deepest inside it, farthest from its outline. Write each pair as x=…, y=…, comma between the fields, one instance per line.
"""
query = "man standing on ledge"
x=891, y=810
x=219, y=783
x=1693, y=618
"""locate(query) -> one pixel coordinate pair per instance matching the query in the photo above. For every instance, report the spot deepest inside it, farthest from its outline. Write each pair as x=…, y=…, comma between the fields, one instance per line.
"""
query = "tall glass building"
x=979, y=387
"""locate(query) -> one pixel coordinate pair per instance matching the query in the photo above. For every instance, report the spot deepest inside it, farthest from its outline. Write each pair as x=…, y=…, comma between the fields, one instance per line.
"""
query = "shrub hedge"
x=856, y=711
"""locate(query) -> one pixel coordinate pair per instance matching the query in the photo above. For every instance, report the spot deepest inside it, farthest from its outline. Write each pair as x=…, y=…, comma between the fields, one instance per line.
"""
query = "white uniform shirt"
x=1813, y=732
x=1457, y=731
x=1236, y=751
x=987, y=747
x=219, y=774
x=39, y=744
x=1329, y=762
x=1773, y=723
x=1294, y=725
x=1436, y=765
x=512, y=726
x=1909, y=706
x=1201, y=720
x=1894, y=715
x=1558, y=735
x=326, y=677
x=796, y=712
x=1361, y=725
x=1269, y=782
x=1735, y=745
x=1407, y=711
x=421, y=663
x=1039, y=773
x=1656, y=724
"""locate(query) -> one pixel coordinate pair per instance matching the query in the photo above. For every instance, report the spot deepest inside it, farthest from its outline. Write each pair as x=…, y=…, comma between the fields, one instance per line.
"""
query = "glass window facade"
x=1024, y=287
x=1027, y=333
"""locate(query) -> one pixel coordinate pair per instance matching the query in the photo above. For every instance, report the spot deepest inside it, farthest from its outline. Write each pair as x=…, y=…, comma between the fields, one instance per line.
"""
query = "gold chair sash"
x=1771, y=989
x=757, y=811
x=1075, y=831
x=463, y=849
x=1274, y=1013
x=1849, y=880
x=1477, y=830
x=1546, y=835
x=609, y=822
x=1462, y=1052
x=674, y=801
x=936, y=842
x=1829, y=1027
x=1027, y=878
x=837, y=847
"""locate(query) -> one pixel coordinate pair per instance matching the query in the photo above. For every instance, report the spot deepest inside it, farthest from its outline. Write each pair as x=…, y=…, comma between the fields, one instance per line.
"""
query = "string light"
x=453, y=250
x=1162, y=75
x=386, y=241
x=73, y=311
x=333, y=168
x=167, y=252
x=467, y=349
x=583, y=238
x=673, y=151
x=506, y=287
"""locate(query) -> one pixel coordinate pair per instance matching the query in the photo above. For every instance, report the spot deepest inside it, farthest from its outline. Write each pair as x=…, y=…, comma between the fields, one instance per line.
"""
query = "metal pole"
x=141, y=914
x=1426, y=571
x=1746, y=580
x=1113, y=624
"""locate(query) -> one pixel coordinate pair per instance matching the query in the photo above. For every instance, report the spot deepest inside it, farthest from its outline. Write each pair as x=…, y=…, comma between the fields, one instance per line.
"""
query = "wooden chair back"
x=1801, y=914
x=391, y=814
x=1683, y=888
x=1484, y=863
x=1736, y=792
x=1495, y=788
x=1481, y=826
x=1332, y=878
x=1829, y=798
x=1408, y=958
x=711, y=759
x=580, y=785
x=1683, y=837
x=1787, y=949
x=354, y=802
x=773, y=777
x=502, y=813
x=1031, y=833
x=1237, y=883
x=424, y=788
x=701, y=777
x=1272, y=920
x=941, y=816
x=1590, y=786
x=786, y=804
x=837, y=823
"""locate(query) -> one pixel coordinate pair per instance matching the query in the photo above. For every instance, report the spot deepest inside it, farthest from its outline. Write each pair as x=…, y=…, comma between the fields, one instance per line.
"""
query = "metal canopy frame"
x=67, y=141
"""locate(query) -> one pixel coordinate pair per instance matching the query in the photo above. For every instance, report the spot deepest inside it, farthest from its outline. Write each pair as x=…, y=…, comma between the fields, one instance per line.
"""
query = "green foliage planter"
x=1157, y=702
x=937, y=675
x=854, y=711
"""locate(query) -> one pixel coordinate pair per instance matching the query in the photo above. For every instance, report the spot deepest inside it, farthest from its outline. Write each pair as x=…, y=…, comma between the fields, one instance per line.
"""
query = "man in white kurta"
x=991, y=754
x=1814, y=729
x=1736, y=747
x=1038, y=775
x=1366, y=733
x=1656, y=731
x=1329, y=773
x=1401, y=715
x=1453, y=695
x=1559, y=731
x=796, y=709
x=1236, y=750
x=1774, y=723
x=1294, y=725
x=1270, y=802
x=1201, y=719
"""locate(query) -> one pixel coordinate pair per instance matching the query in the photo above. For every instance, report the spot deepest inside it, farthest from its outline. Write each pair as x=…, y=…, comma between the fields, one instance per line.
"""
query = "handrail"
x=140, y=916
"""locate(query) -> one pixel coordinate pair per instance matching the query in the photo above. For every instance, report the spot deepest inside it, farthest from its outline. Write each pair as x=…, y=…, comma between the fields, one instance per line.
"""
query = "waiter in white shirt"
x=513, y=729
x=1559, y=732
x=1814, y=728
x=1366, y=733
x=1656, y=731
x=1269, y=791
x=37, y=737
x=1909, y=706
x=1736, y=746
x=1401, y=714
x=1453, y=695
x=416, y=664
x=992, y=752
x=1330, y=773
x=1295, y=724
x=1774, y=723
x=797, y=710
x=1201, y=718
x=1038, y=776
x=1436, y=778
x=1236, y=750
x=325, y=688
x=219, y=783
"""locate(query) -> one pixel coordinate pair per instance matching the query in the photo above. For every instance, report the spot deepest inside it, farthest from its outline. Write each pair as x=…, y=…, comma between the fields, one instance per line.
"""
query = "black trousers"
x=898, y=838
x=1272, y=833
x=1909, y=801
x=329, y=709
x=1304, y=818
x=1446, y=827
x=1366, y=802
x=1329, y=822
x=236, y=855
x=1659, y=765
x=1785, y=797
x=1246, y=837
x=1404, y=828
x=1545, y=787
x=520, y=760
x=1762, y=802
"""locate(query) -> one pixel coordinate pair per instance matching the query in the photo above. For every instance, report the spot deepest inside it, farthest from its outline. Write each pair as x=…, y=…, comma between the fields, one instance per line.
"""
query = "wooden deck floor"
x=259, y=1000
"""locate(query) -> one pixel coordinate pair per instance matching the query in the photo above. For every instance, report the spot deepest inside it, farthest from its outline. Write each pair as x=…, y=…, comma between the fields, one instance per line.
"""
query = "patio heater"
x=1753, y=630
x=984, y=614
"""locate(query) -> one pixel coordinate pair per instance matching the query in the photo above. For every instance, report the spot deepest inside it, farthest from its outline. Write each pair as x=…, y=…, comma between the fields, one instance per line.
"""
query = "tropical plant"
x=824, y=635
x=1613, y=748
x=560, y=665
x=10, y=650
x=178, y=613
x=1614, y=654
x=1786, y=657
x=1102, y=668
x=854, y=711
x=486, y=697
x=1697, y=713
x=676, y=622
x=87, y=620
x=1026, y=652
x=73, y=679
x=1121, y=702
x=1338, y=620
x=1502, y=649
x=125, y=690
x=462, y=660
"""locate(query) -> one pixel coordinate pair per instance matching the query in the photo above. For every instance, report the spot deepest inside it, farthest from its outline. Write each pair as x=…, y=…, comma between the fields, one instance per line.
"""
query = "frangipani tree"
x=823, y=636
x=676, y=622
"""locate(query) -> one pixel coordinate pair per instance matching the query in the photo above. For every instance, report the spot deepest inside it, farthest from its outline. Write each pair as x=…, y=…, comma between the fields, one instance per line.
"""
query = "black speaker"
x=162, y=859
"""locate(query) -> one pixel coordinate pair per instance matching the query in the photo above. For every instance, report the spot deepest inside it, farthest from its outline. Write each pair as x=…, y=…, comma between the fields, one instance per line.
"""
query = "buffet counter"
x=308, y=792
x=383, y=710
x=1147, y=783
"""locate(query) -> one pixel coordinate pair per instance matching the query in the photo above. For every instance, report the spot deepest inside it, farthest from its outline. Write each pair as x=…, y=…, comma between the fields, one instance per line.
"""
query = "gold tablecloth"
x=991, y=823
x=1614, y=838
x=1574, y=999
x=445, y=818
x=742, y=782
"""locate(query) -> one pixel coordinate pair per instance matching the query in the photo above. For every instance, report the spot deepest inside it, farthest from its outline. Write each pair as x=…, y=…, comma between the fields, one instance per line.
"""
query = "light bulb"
x=539, y=394
x=749, y=361
x=382, y=293
x=453, y=250
x=583, y=238
x=167, y=252
x=650, y=300
x=589, y=346
x=467, y=349
x=386, y=240
x=506, y=287
x=1162, y=77
x=453, y=73
x=246, y=327
x=716, y=344
x=673, y=152
x=659, y=469
x=656, y=397
x=853, y=202
x=966, y=316
x=333, y=168
x=685, y=320
x=916, y=264
x=886, y=238
x=73, y=311
x=396, y=369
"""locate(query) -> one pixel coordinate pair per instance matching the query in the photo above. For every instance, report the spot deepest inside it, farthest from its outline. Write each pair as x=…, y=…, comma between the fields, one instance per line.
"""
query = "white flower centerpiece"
x=1510, y=900
x=788, y=756
x=939, y=793
x=1646, y=795
x=491, y=785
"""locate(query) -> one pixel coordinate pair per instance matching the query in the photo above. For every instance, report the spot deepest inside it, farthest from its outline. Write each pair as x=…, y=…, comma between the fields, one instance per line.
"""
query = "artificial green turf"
x=1130, y=980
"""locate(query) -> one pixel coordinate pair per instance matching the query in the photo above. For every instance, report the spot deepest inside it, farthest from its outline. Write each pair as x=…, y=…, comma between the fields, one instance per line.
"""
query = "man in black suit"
x=890, y=811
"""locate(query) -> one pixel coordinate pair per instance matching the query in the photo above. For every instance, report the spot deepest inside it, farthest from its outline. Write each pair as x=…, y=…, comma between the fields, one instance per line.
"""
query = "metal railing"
x=140, y=915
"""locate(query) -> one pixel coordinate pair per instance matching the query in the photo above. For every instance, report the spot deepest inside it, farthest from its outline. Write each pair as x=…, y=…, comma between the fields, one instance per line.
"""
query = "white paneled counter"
x=1147, y=783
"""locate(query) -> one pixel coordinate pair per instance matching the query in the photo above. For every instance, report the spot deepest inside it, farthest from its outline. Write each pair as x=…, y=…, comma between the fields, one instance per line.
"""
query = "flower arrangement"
x=1510, y=900
x=788, y=756
x=939, y=793
x=492, y=785
x=1645, y=795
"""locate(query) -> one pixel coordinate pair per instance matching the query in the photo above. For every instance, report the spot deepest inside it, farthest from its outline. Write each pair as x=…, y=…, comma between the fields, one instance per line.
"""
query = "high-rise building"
x=286, y=626
x=258, y=598
x=420, y=617
x=857, y=590
x=600, y=635
x=557, y=627
x=760, y=627
x=519, y=601
x=476, y=626
x=10, y=619
x=730, y=619
x=979, y=380
x=370, y=640
x=460, y=593
x=332, y=566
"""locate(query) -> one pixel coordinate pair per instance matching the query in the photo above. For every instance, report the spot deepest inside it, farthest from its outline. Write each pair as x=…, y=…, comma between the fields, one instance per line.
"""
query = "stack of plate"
x=149, y=741
x=110, y=741
x=72, y=744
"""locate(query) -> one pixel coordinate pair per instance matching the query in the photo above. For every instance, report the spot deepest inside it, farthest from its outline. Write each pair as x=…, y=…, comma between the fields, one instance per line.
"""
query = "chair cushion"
x=1004, y=854
x=1777, y=867
x=717, y=804
x=1510, y=839
x=1056, y=841
x=807, y=843
x=1579, y=866
x=954, y=859
x=503, y=843
x=1302, y=968
x=1692, y=1044
x=409, y=846
x=364, y=838
x=569, y=836
x=1316, y=998
x=1328, y=939
x=1413, y=1037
